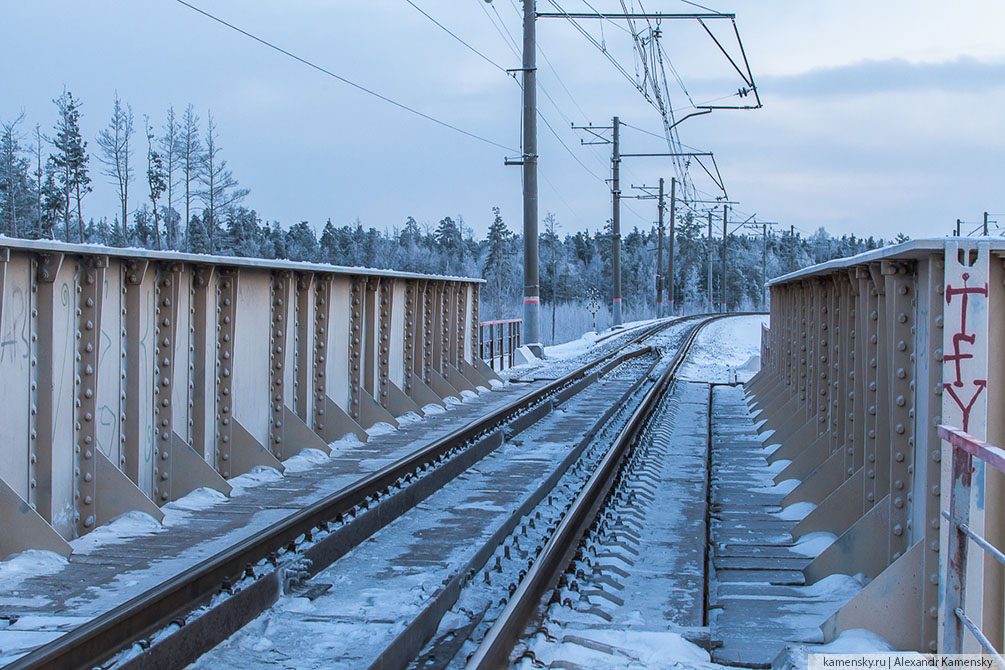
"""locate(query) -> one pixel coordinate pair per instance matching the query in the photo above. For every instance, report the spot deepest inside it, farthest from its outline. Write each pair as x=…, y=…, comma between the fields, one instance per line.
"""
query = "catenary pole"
x=764, y=264
x=531, y=278
x=659, y=255
x=722, y=289
x=711, y=300
x=616, y=221
x=673, y=221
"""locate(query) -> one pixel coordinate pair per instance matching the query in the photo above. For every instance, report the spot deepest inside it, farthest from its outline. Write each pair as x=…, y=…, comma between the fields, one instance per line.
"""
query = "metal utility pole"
x=659, y=256
x=792, y=248
x=957, y=227
x=531, y=277
x=722, y=292
x=616, y=221
x=711, y=300
x=764, y=264
x=673, y=221
x=985, y=224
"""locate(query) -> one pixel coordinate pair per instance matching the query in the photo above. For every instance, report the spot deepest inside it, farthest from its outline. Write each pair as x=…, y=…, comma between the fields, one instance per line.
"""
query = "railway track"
x=170, y=625
x=553, y=560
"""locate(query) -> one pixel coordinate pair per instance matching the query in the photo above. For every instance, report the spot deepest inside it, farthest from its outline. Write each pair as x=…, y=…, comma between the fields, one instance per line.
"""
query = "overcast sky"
x=878, y=117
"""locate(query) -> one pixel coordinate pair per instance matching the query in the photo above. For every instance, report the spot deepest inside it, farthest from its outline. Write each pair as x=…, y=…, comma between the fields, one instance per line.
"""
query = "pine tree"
x=171, y=146
x=71, y=158
x=113, y=141
x=155, y=179
x=15, y=184
x=192, y=163
x=329, y=244
x=219, y=188
x=498, y=256
x=301, y=243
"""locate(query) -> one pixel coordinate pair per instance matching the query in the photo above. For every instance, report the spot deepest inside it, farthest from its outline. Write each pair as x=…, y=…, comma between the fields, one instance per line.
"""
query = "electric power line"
x=344, y=80
x=456, y=37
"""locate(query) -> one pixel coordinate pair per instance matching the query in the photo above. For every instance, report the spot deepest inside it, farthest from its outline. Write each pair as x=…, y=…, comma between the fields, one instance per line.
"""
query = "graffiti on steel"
x=961, y=338
x=18, y=307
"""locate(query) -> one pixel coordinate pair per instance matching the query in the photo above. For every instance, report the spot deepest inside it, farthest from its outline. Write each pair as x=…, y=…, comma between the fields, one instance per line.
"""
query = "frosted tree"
x=15, y=184
x=171, y=146
x=113, y=142
x=552, y=254
x=498, y=257
x=155, y=179
x=219, y=188
x=39, y=175
x=192, y=161
x=71, y=159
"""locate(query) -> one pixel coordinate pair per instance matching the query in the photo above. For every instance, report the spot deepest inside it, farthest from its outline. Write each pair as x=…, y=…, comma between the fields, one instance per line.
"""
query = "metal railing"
x=964, y=448
x=498, y=342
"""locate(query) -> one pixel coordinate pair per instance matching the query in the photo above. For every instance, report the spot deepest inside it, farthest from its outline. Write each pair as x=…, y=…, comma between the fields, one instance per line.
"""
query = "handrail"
x=965, y=448
x=498, y=341
x=499, y=321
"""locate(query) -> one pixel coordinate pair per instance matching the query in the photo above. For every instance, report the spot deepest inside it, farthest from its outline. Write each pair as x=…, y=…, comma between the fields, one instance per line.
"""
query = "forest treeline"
x=176, y=191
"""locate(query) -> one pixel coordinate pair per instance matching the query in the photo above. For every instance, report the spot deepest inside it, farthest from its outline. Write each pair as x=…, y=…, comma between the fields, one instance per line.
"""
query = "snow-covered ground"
x=725, y=348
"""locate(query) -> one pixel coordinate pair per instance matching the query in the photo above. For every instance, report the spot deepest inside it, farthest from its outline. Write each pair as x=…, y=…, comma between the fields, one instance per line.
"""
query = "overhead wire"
x=459, y=39
x=344, y=80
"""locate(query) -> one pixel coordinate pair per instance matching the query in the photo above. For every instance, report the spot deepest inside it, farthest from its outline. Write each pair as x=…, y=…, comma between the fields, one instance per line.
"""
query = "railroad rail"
x=319, y=533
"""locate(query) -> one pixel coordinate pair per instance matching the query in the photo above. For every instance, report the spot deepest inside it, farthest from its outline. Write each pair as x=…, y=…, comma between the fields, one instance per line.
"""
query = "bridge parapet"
x=864, y=358
x=131, y=378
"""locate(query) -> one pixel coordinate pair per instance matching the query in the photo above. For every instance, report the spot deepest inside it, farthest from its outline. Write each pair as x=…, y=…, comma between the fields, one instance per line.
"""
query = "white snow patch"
x=813, y=544
x=432, y=408
x=782, y=487
x=778, y=466
x=31, y=563
x=258, y=475
x=725, y=348
x=836, y=587
x=199, y=499
x=380, y=428
x=344, y=445
x=408, y=418
x=305, y=460
x=453, y=401
x=571, y=349
x=632, y=649
x=856, y=641
x=796, y=511
x=124, y=526
x=496, y=383
x=468, y=395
